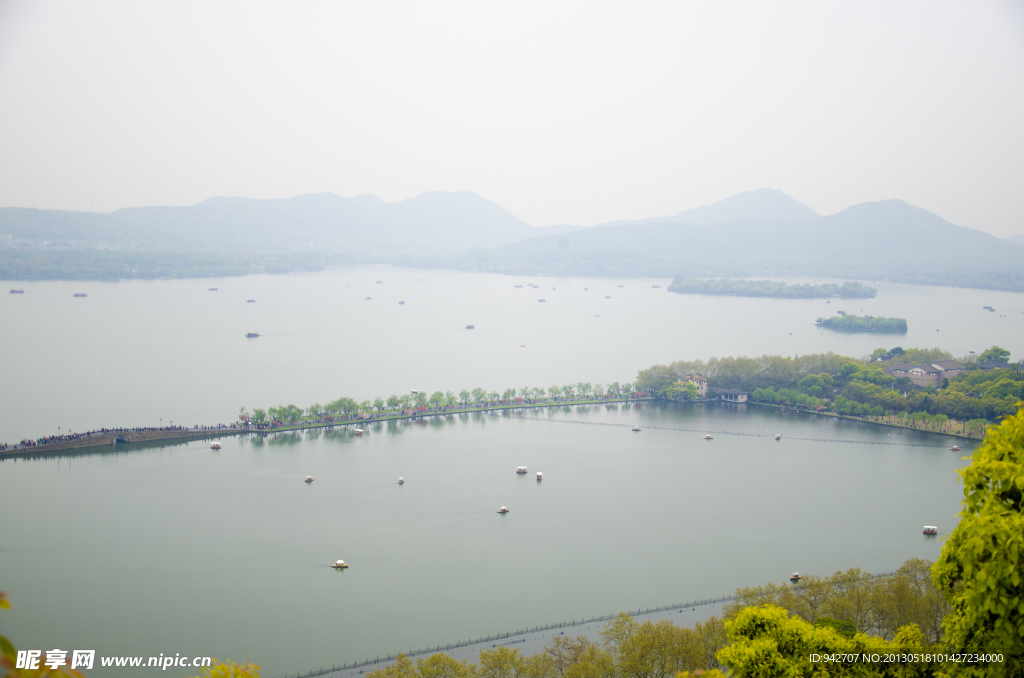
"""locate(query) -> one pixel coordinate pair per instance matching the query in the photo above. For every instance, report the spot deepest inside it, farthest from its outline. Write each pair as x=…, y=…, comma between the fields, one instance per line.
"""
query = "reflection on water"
x=75, y=379
x=622, y=520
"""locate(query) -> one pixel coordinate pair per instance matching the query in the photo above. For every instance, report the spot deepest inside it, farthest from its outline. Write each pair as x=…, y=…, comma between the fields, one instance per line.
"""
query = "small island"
x=768, y=288
x=866, y=323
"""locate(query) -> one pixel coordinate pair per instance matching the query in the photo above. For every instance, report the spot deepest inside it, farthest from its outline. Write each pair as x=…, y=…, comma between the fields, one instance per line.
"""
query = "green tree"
x=230, y=670
x=555, y=391
x=501, y=663
x=378, y=404
x=765, y=642
x=690, y=391
x=436, y=399
x=464, y=396
x=315, y=410
x=981, y=569
x=393, y=402
x=259, y=415
x=999, y=355
x=243, y=413
x=441, y=665
x=564, y=651
x=479, y=395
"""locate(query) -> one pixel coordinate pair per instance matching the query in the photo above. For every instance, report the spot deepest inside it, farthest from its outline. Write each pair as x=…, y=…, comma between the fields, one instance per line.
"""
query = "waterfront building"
x=923, y=375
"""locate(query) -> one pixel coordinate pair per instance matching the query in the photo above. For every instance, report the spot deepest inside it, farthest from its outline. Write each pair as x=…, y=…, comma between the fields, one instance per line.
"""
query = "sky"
x=561, y=112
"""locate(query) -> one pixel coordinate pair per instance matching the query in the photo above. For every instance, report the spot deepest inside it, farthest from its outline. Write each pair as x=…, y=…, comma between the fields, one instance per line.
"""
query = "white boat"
x=636, y=428
x=955, y=448
x=795, y=577
x=309, y=479
x=401, y=480
x=708, y=437
x=339, y=565
x=358, y=431
x=540, y=476
x=214, y=446
x=521, y=470
x=503, y=510
x=778, y=436
x=930, y=530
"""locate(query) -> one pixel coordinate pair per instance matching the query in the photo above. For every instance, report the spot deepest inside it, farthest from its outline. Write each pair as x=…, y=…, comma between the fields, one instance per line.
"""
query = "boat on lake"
x=250, y=301
x=955, y=448
x=401, y=480
x=309, y=479
x=930, y=530
x=778, y=436
x=503, y=510
x=17, y=291
x=636, y=429
x=214, y=445
x=213, y=289
x=251, y=335
x=542, y=300
x=339, y=565
x=79, y=294
x=470, y=327
x=708, y=437
x=401, y=303
x=520, y=470
x=358, y=431
x=795, y=577
x=540, y=476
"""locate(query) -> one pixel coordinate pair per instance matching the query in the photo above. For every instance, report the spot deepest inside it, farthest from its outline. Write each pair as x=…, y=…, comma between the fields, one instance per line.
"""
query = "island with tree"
x=864, y=323
x=769, y=288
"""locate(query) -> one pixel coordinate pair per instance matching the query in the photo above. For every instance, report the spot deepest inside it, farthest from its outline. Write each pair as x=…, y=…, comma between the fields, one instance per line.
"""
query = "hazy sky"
x=562, y=112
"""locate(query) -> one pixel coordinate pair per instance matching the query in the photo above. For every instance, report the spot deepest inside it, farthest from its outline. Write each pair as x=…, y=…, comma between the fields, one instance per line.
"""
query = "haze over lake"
x=135, y=352
x=226, y=553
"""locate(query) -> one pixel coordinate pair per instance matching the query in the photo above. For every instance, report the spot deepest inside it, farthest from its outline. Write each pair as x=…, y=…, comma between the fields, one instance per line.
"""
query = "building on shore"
x=928, y=374
x=733, y=395
x=698, y=381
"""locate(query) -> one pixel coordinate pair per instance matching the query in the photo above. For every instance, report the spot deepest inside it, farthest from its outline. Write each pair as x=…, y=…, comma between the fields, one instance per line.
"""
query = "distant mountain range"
x=766, y=204
x=1016, y=239
x=757, y=233
x=768, y=233
x=430, y=223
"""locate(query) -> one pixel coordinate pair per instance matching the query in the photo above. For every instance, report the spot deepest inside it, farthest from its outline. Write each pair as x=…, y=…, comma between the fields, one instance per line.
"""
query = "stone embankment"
x=108, y=439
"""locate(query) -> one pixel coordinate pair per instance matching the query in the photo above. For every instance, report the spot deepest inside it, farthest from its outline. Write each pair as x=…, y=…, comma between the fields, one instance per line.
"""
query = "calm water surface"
x=226, y=553
x=140, y=353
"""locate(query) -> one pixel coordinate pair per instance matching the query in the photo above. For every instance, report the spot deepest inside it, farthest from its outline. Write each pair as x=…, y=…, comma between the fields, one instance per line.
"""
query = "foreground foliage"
x=880, y=606
x=981, y=570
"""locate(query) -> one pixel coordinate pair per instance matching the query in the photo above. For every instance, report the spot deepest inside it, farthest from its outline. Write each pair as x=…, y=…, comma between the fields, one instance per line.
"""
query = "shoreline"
x=110, y=439
x=952, y=434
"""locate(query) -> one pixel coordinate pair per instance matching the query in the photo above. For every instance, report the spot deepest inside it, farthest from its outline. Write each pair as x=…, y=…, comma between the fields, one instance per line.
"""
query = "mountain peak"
x=763, y=204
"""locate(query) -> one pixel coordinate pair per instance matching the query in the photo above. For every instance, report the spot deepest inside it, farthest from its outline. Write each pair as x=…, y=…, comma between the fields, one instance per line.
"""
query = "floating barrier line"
x=512, y=634
x=734, y=433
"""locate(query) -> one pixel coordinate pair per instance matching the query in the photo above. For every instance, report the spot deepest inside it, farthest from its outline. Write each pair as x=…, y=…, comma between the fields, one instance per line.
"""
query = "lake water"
x=182, y=549
x=140, y=353
x=226, y=553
